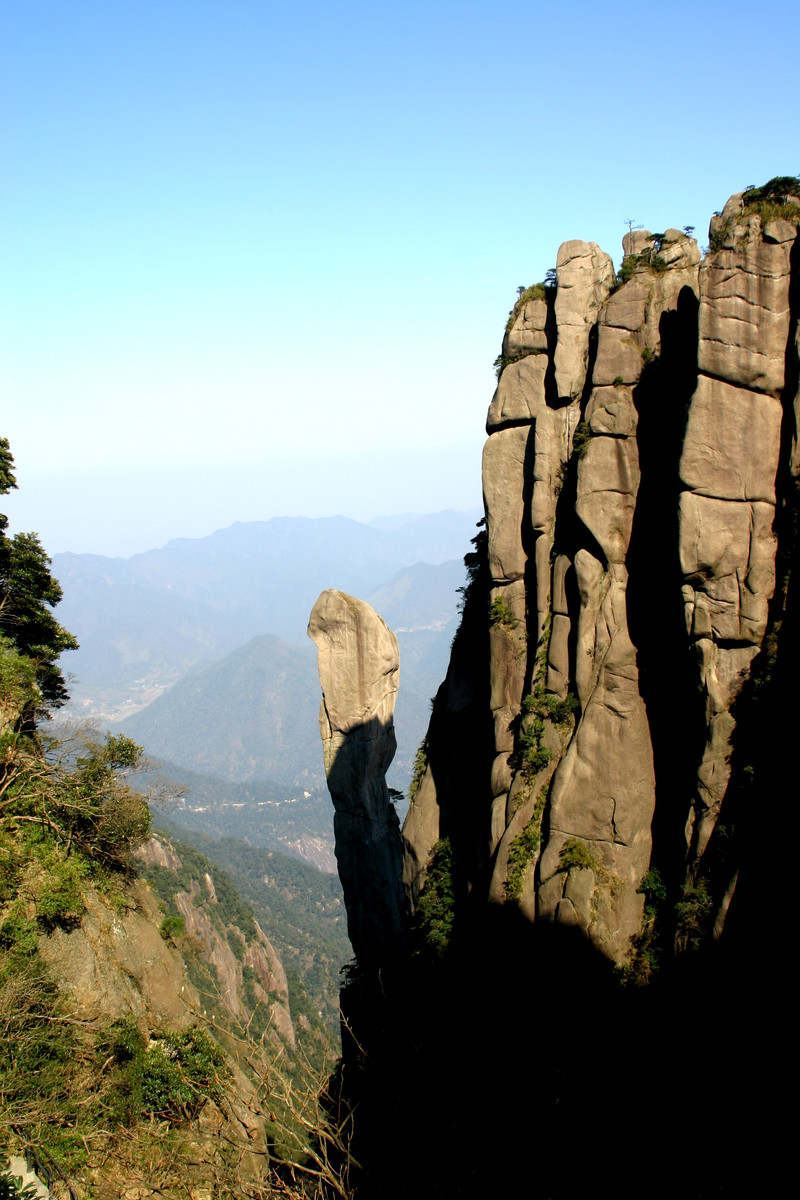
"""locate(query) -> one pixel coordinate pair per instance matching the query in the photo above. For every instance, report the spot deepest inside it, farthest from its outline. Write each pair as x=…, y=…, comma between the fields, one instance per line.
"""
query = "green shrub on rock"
x=435, y=913
x=575, y=855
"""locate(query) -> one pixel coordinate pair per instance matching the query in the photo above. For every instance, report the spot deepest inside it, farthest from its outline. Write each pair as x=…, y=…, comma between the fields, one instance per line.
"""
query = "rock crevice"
x=636, y=486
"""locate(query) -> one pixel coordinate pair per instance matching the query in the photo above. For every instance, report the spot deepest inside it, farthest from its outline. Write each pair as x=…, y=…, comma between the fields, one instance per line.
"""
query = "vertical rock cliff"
x=599, y=914
x=642, y=433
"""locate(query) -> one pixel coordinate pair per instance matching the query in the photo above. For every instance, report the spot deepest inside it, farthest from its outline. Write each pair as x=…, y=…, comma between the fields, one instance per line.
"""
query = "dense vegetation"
x=103, y=1105
x=301, y=908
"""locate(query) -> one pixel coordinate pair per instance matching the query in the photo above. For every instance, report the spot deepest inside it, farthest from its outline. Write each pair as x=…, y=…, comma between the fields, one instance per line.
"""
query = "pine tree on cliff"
x=28, y=593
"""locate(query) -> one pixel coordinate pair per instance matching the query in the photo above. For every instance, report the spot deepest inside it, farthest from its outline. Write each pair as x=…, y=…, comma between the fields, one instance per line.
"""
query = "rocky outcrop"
x=359, y=670
x=642, y=433
x=115, y=964
x=228, y=953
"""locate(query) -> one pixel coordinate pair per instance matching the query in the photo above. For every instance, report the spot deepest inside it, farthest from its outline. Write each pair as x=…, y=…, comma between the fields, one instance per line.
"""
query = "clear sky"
x=257, y=258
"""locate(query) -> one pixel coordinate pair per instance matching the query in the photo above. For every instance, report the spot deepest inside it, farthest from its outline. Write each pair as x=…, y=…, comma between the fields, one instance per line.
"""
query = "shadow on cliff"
x=368, y=850
x=516, y=1064
x=655, y=611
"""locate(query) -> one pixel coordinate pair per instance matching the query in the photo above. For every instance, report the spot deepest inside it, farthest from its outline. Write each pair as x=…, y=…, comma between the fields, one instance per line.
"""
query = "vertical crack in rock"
x=629, y=477
x=359, y=668
x=728, y=467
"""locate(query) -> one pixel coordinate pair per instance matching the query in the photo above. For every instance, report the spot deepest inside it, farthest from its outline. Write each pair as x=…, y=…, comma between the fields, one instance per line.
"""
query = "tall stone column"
x=359, y=667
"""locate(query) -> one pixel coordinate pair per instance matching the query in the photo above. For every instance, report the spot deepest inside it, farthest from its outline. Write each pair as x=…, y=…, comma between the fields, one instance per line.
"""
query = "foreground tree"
x=28, y=594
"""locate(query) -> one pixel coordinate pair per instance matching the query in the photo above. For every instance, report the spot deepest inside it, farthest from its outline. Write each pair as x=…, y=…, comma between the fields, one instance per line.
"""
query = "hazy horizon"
x=258, y=259
x=86, y=517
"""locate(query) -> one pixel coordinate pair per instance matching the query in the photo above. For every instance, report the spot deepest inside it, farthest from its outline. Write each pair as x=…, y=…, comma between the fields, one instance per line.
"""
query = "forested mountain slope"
x=146, y=1042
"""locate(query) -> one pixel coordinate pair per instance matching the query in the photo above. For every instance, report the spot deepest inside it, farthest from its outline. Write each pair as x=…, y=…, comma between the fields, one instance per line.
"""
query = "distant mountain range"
x=198, y=651
x=145, y=622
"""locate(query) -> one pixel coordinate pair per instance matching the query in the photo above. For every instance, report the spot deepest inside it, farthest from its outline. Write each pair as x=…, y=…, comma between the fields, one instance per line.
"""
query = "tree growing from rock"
x=28, y=594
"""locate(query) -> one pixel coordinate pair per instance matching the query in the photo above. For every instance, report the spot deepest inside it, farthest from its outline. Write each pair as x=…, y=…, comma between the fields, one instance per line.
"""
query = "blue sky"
x=257, y=259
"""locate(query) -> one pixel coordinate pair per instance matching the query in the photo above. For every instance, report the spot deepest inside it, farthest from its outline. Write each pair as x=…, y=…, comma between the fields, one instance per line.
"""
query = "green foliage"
x=114, y=819
x=66, y=1090
x=8, y=480
x=226, y=912
x=420, y=767
x=648, y=356
x=627, y=268
x=174, y=1078
x=65, y=824
x=653, y=888
x=124, y=1040
x=771, y=202
x=575, y=855
x=693, y=914
x=60, y=891
x=11, y=1188
x=43, y=1058
x=618, y=381
x=581, y=439
x=548, y=706
x=300, y=923
x=502, y=361
x=27, y=594
x=537, y=291
x=650, y=257
x=501, y=614
x=773, y=210
x=171, y=1077
x=475, y=562
x=435, y=912
x=534, y=757
x=777, y=190
x=19, y=690
x=538, y=707
x=172, y=928
x=647, y=944
x=123, y=823
x=302, y=908
x=524, y=849
x=19, y=935
x=236, y=943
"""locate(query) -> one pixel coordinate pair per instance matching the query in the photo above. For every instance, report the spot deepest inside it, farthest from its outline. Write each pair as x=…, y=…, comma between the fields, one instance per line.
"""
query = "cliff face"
x=115, y=964
x=598, y=918
x=639, y=483
x=235, y=968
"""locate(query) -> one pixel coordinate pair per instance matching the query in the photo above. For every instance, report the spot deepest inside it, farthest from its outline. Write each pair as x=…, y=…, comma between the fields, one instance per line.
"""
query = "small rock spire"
x=359, y=667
